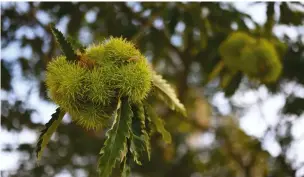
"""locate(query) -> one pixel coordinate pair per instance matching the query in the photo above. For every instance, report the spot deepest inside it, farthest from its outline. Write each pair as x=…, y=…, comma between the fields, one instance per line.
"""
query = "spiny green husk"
x=232, y=47
x=119, y=50
x=257, y=58
x=88, y=88
x=261, y=61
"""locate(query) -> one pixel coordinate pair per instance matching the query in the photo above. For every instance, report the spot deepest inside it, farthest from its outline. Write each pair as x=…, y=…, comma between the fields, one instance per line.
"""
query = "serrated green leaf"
x=126, y=169
x=136, y=148
x=47, y=132
x=125, y=165
x=116, y=138
x=159, y=124
x=65, y=45
x=150, y=127
x=140, y=140
x=137, y=145
x=166, y=93
x=146, y=138
x=144, y=135
x=76, y=44
x=124, y=152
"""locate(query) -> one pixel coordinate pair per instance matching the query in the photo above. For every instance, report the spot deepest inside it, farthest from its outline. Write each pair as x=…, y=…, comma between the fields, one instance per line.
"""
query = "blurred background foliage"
x=181, y=40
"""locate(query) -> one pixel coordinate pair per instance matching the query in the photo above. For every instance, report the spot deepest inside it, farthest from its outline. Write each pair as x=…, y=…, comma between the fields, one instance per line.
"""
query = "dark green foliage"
x=233, y=85
x=270, y=18
x=76, y=44
x=65, y=45
x=5, y=77
x=140, y=140
x=290, y=17
x=294, y=105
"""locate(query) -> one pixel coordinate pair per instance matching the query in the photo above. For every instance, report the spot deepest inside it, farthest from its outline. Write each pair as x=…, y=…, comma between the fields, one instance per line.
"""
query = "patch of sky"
x=176, y=40
x=158, y=23
x=234, y=26
x=146, y=13
x=43, y=17
x=62, y=24
x=221, y=103
x=204, y=12
x=271, y=145
x=256, y=11
x=85, y=35
x=7, y=5
x=22, y=7
x=135, y=6
x=91, y=16
x=180, y=27
x=249, y=23
x=26, y=31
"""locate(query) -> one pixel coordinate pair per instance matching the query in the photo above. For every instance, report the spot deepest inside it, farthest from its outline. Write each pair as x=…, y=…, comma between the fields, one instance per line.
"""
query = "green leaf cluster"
x=128, y=138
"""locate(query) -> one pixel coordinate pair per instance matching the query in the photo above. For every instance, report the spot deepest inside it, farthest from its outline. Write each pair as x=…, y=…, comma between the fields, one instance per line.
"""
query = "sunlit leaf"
x=166, y=93
x=116, y=138
x=47, y=132
x=159, y=124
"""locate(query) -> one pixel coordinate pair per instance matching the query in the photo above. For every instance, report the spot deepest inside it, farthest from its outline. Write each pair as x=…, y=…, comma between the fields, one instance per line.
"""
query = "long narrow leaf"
x=126, y=169
x=137, y=145
x=125, y=165
x=47, y=132
x=65, y=45
x=144, y=135
x=159, y=124
x=166, y=93
x=116, y=138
